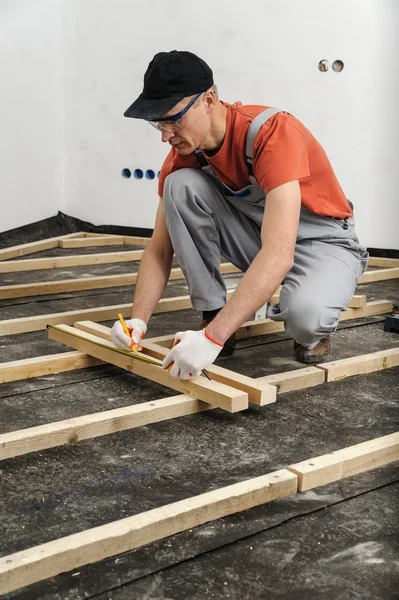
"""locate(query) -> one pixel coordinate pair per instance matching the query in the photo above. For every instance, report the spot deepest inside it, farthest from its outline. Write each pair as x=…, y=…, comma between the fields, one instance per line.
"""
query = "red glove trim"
x=211, y=339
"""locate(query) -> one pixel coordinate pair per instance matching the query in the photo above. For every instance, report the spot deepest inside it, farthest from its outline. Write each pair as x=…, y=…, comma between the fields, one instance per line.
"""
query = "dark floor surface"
x=335, y=542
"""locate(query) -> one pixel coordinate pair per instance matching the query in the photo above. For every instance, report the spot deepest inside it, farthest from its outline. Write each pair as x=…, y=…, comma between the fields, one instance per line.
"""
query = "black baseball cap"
x=170, y=77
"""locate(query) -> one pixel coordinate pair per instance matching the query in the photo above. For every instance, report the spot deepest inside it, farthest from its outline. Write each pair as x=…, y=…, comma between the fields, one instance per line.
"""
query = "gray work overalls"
x=206, y=219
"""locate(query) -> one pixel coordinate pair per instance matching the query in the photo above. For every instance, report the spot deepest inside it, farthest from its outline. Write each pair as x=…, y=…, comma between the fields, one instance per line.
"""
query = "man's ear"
x=210, y=100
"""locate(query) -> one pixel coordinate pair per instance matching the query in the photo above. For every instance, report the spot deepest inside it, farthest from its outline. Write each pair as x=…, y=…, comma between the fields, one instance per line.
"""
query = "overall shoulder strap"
x=253, y=131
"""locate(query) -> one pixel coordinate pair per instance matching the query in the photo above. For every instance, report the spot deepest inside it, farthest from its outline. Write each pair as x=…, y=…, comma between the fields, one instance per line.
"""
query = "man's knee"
x=308, y=319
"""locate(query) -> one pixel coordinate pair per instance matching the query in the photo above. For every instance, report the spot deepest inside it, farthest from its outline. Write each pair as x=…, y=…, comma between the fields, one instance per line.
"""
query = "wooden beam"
x=365, y=363
x=295, y=380
x=346, y=462
x=86, y=283
x=44, y=365
x=260, y=393
x=379, y=261
x=114, y=240
x=89, y=426
x=103, y=423
x=257, y=328
x=102, y=313
x=213, y=392
x=50, y=559
x=75, y=260
x=379, y=275
x=376, y=307
x=72, y=430
x=31, y=247
x=132, y=240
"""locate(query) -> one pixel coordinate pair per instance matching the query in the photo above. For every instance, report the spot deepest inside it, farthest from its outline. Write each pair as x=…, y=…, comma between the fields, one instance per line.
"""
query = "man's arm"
x=271, y=264
x=154, y=269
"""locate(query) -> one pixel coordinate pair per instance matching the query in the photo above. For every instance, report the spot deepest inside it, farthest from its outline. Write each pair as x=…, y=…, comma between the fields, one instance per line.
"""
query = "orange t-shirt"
x=284, y=150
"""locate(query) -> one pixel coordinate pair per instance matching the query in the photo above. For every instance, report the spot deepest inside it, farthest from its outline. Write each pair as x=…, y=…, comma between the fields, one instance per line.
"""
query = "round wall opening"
x=149, y=174
x=323, y=65
x=337, y=66
x=138, y=174
x=126, y=173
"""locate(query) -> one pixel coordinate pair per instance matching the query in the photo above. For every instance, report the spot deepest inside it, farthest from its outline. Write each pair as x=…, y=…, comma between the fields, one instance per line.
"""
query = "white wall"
x=31, y=182
x=263, y=51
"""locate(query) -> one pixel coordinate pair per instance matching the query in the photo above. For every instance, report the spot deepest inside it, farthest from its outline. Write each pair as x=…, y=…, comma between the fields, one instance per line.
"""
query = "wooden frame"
x=32, y=247
x=87, y=283
x=65, y=554
x=379, y=275
x=365, y=363
x=255, y=328
x=75, y=260
x=76, y=429
x=106, y=313
x=213, y=392
x=259, y=392
x=38, y=366
x=379, y=261
x=346, y=462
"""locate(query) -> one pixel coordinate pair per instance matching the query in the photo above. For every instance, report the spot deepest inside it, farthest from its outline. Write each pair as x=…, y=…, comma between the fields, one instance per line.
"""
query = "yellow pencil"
x=126, y=330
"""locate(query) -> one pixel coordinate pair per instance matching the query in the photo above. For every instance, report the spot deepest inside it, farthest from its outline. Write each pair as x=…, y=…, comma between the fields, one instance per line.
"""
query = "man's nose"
x=166, y=135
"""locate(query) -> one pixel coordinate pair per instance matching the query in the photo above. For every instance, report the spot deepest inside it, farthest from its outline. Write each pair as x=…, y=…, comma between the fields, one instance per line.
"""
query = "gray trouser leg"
x=316, y=290
x=203, y=226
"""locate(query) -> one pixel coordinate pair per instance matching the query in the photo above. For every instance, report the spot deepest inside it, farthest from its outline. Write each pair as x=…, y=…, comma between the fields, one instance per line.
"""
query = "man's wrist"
x=211, y=339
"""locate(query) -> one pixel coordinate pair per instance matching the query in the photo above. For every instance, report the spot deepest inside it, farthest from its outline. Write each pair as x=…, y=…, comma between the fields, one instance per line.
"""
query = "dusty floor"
x=338, y=541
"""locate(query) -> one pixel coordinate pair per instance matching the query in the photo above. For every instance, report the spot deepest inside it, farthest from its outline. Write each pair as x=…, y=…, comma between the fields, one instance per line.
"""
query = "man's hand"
x=137, y=329
x=194, y=351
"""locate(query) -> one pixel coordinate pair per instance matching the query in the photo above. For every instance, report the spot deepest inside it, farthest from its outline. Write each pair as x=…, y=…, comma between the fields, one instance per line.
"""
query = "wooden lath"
x=213, y=392
x=32, y=247
x=108, y=313
x=52, y=558
x=86, y=283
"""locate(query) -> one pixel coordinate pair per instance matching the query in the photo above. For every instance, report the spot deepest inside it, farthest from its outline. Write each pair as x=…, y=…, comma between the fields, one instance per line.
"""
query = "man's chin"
x=184, y=149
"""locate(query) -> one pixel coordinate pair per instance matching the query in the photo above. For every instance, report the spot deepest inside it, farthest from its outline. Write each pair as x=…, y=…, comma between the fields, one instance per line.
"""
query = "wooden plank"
x=103, y=423
x=379, y=261
x=213, y=392
x=133, y=240
x=102, y=313
x=50, y=559
x=296, y=379
x=365, y=363
x=93, y=425
x=75, y=260
x=72, y=430
x=87, y=242
x=379, y=275
x=86, y=283
x=44, y=365
x=260, y=393
x=346, y=462
x=376, y=307
x=257, y=328
x=31, y=247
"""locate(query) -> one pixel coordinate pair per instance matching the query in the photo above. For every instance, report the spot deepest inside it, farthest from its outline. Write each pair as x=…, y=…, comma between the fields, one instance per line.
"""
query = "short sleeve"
x=280, y=153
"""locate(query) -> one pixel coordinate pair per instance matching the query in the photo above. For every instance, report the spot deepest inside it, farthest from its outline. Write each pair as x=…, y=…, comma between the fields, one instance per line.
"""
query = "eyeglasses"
x=171, y=124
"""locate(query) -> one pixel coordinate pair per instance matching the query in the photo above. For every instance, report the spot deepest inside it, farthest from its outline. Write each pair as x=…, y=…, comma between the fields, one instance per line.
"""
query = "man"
x=251, y=184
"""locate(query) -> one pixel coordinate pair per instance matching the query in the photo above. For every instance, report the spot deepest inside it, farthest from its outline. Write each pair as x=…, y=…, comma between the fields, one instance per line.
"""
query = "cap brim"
x=151, y=108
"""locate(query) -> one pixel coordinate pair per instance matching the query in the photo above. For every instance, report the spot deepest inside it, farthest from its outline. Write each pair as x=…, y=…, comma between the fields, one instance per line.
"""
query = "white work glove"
x=137, y=329
x=193, y=352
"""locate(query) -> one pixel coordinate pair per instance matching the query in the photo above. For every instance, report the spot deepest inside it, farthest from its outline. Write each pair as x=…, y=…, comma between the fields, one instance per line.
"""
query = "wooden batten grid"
x=225, y=390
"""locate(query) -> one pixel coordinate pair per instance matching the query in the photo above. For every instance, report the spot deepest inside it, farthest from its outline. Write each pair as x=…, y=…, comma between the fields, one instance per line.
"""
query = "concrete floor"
x=338, y=541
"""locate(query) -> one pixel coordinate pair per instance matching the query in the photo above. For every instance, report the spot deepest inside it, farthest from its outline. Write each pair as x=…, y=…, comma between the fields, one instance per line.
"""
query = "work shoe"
x=316, y=354
x=229, y=345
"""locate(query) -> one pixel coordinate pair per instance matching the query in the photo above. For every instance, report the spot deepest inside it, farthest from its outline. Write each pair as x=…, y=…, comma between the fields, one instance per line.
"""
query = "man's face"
x=190, y=131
